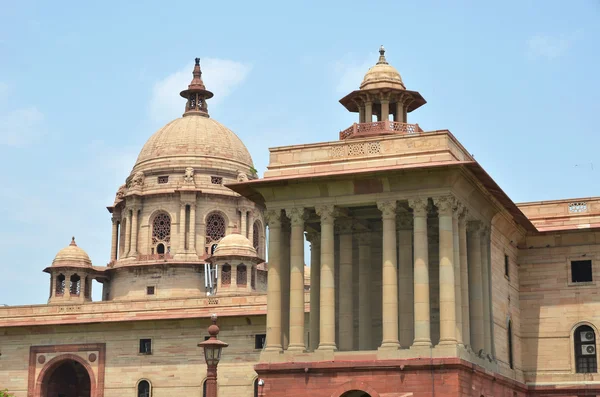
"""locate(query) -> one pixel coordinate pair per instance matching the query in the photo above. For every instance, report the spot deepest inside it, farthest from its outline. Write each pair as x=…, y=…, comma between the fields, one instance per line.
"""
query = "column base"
x=389, y=345
x=327, y=346
x=297, y=348
x=421, y=343
x=448, y=342
x=273, y=349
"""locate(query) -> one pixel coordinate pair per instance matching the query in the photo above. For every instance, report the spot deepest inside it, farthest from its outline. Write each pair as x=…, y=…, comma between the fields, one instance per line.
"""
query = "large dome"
x=382, y=75
x=72, y=256
x=190, y=138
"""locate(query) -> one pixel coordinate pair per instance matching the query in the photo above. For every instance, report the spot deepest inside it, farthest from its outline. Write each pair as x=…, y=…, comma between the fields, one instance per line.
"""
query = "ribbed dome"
x=190, y=138
x=235, y=245
x=382, y=75
x=72, y=256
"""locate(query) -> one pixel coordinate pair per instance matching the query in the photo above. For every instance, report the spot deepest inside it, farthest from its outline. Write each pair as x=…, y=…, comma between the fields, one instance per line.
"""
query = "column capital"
x=445, y=204
x=297, y=215
x=404, y=219
x=419, y=206
x=273, y=218
x=458, y=208
x=244, y=209
x=387, y=208
x=473, y=226
x=484, y=231
x=115, y=219
x=462, y=216
x=326, y=212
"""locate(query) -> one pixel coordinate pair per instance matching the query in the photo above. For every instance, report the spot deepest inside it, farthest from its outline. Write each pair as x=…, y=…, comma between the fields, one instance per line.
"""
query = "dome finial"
x=197, y=60
x=73, y=243
x=382, y=59
x=196, y=93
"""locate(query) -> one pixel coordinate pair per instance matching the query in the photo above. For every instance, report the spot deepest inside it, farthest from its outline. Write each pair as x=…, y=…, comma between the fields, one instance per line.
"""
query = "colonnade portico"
x=342, y=306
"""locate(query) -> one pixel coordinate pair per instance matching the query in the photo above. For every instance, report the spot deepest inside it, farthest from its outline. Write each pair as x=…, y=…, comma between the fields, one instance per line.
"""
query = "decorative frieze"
x=356, y=149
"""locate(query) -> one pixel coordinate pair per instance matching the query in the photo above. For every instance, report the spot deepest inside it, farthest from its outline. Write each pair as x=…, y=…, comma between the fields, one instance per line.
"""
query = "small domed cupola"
x=71, y=275
x=196, y=94
x=382, y=94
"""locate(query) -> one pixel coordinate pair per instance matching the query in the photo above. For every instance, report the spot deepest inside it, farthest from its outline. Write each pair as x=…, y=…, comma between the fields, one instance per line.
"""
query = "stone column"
x=115, y=234
x=365, y=320
x=315, y=288
x=457, y=277
x=361, y=113
x=251, y=219
x=327, y=310
x=243, y=218
x=285, y=280
x=421, y=273
x=182, y=227
x=368, y=111
x=389, y=308
x=128, y=234
x=192, y=234
x=445, y=205
x=399, y=112
x=464, y=276
x=134, y=232
x=297, y=217
x=274, y=334
x=486, y=290
x=385, y=109
x=346, y=309
x=405, y=278
x=475, y=287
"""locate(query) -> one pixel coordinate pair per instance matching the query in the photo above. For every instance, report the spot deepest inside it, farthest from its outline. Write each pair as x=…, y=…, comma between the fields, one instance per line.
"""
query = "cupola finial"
x=382, y=59
x=73, y=243
x=196, y=94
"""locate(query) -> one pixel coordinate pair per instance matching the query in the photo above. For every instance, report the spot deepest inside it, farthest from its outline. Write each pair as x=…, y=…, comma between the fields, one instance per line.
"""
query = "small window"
x=259, y=341
x=163, y=179
x=511, y=362
x=585, y=350
x=145, y=346
x=204, y=388
x=216, y=180
x=506, y=266
x=144, y=389
x=150, y=290
x=581, y=271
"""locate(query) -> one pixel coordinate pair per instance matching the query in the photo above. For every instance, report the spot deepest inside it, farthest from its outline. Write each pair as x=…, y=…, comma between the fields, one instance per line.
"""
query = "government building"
x=425, y=278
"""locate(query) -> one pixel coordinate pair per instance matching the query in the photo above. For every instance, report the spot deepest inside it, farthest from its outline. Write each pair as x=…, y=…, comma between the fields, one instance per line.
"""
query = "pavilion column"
x=114, y=240
x=457, y=276
x=251, y=219
x=486, y=290
x=182, y=207
x=464, y=276
x=421, y=273
x=361, y=113
x=285, y=281
x=192, y=234
x=365, y=321
x=134, y=232
x=243, y=219
x=389, y=307
x=405, y=278
x=368, y=111
x=128, y=234
x=475, y=287
x=315, y=288
x=346, y=309
x=297, y=217
x=385, y=109
x=445, y=205
x=327, y=302
x=400, y=112
x=274, y=334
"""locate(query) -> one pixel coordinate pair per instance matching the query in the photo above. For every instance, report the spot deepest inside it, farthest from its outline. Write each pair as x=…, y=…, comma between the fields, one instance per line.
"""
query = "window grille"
x=161, y=228
x=242, y=276
x=163, y=179
x=216, y=180
x=255, y=236
x=578, y=207
x=585, y=350
x=60, y=285
x=253, y=278
x=215, y=228
x=226, y=275
x=75, y=288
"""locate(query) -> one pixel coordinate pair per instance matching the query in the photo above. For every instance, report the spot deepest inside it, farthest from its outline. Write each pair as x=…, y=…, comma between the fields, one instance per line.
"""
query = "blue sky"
x=84, y=84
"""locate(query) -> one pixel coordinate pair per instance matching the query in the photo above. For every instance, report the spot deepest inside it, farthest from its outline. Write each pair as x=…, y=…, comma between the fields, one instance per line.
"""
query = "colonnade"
x=406, y=318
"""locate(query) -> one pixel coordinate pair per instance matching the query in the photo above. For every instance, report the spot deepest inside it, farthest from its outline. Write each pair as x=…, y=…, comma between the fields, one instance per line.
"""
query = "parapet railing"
x=358, y=130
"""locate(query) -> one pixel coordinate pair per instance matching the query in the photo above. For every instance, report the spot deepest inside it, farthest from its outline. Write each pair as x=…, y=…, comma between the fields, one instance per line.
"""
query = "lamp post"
x=212, y=354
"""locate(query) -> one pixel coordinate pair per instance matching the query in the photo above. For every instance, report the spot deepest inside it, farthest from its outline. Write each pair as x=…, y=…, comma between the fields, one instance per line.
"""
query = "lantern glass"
x=212, y=354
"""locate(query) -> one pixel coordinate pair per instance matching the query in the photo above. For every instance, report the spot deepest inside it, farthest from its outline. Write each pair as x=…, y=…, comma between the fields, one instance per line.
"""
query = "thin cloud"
x=220, y=76
x=551, y=47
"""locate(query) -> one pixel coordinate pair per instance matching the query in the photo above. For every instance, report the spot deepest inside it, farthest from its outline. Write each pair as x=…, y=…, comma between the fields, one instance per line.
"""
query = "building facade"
x=425, y=278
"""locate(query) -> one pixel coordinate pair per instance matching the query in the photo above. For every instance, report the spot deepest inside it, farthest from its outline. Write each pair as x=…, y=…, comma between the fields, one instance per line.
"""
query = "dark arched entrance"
x=356, y=393
x=68, y=378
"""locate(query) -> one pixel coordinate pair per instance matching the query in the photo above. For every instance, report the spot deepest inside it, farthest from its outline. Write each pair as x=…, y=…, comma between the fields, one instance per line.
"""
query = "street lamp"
x=212, y=354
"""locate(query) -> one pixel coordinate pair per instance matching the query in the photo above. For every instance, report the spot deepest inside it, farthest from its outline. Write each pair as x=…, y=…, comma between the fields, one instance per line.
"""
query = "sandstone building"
x=425, y=278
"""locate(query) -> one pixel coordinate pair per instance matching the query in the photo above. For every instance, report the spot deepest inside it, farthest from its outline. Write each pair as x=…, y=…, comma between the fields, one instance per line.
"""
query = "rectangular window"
x=259, y=341
x=145, y=346
x=150, y=290
x=216, y=180
x=581, y=271
x=506, y=266
x=163, y=179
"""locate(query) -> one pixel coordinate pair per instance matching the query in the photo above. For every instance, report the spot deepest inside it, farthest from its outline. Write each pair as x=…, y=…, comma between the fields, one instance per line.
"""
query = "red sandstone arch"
x=354, y=385
x=49, y=368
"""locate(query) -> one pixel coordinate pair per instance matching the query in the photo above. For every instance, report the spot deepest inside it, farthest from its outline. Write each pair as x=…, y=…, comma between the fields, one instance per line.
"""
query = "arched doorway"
x=356, y=393
x=67, y=378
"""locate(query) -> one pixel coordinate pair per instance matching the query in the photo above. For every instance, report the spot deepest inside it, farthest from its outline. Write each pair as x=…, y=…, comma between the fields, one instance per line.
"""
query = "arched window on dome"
x=226, y=275
x=242, y=275
x=60, y=285
x=215, y=231
x=161, y=234
x=585, y=350
x=75, y=287
x=144, y=388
